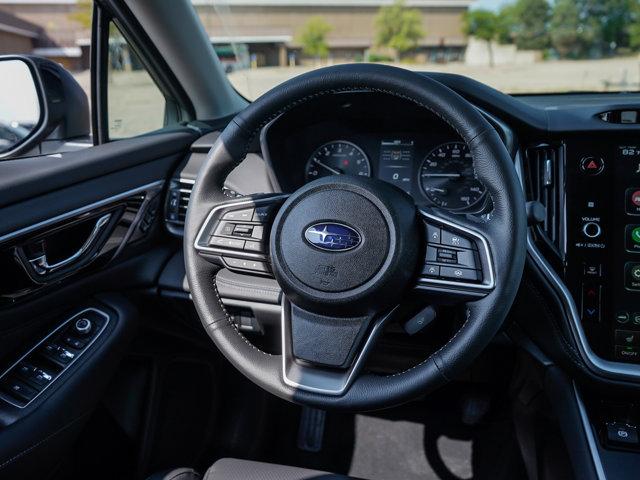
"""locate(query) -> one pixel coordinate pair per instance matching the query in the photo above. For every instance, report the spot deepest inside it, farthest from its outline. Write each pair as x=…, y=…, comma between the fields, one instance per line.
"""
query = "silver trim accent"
x=591, y=440
x=225, y=251
x=79, y=211
x=41, y=266
x=488, y=284
x=600, y=366
x=7, y=399
x=319, y=380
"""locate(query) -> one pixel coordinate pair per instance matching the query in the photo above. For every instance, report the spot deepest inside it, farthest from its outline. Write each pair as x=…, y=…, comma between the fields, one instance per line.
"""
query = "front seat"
x=233, y=469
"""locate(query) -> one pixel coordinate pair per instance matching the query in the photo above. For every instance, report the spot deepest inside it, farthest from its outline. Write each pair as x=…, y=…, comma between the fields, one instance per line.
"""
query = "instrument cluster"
x=444, y=176
x=376, y=136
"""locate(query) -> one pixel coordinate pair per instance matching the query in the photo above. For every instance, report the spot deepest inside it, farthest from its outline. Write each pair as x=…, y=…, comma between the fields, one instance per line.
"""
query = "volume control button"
x=591, y=229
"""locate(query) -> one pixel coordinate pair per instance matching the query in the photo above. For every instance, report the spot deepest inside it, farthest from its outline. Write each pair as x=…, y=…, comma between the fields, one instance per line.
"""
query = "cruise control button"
x=627, y=338
x=463, y=274
x=431, y=270
x=243, y=230
x=234, y=243
x=433, y=234
x=245, y=215
x=455, y=240
x=253, y=247
x=258, y=232
x=467, y=258
x=246, y=264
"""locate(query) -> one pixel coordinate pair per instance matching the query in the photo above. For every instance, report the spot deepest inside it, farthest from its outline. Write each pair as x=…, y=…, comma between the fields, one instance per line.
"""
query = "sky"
x=490, y=4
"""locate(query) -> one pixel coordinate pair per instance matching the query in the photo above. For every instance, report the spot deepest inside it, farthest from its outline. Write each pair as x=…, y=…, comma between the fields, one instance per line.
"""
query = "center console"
x=601, y=245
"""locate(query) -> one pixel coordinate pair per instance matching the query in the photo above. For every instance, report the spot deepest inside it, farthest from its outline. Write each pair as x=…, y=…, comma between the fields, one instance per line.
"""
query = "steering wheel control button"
x=433, y=233
x=248, y=265
x=234, y=243
x=632, y=238
x=462, y=274
x=592, y=165
x=420, y=321
x=245, y=215
x=83, y=326
x=635, y=318
x=622, y=434
x=225, y=228
x=431, y=270
x=455, y=240
x=254, y=247
x=591, y=230
x=632, y=201
x=264, y=214
x=632, y=276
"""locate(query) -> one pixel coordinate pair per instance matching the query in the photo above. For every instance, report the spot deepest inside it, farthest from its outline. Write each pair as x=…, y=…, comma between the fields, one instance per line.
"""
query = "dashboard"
x=581, y=168
x=412, y=150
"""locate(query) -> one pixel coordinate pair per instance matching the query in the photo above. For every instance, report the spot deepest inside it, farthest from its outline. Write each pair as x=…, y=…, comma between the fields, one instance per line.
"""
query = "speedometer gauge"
x=448, y=179
x=338, y=158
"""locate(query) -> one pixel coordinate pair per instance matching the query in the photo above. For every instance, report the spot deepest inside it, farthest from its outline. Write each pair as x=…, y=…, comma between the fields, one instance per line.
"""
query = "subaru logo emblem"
x=334, y=237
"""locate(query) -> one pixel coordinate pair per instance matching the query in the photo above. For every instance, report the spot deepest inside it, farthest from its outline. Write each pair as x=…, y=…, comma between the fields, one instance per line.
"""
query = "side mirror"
x=40, y=102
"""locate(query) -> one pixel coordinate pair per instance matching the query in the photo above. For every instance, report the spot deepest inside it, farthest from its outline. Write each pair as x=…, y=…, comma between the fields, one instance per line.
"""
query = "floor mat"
x=395, y=450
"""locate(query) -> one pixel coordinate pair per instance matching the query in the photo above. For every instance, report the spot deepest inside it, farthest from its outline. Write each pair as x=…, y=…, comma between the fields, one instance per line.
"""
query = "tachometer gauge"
x=447, y=177
x=338, y=158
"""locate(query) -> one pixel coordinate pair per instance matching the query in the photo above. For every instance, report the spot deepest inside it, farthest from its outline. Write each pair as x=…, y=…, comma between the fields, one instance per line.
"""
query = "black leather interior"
x=505, y=231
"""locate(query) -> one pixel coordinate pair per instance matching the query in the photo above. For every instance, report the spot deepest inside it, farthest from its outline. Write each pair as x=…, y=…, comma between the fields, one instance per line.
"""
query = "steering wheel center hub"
x=339, y=241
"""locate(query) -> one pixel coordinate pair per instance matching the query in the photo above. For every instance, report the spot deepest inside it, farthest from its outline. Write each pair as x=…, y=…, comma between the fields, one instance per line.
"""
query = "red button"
x=591, y=165
x=635, y=198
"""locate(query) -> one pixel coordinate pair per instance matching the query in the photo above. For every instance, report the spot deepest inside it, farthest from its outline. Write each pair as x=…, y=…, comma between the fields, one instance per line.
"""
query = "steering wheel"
x=347, y=251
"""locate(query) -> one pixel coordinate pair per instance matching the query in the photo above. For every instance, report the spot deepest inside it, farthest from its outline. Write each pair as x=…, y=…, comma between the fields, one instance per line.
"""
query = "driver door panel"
x=52, y=207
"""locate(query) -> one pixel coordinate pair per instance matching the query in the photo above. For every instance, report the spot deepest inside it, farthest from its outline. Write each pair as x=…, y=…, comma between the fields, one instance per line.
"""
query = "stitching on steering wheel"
x=224, y=310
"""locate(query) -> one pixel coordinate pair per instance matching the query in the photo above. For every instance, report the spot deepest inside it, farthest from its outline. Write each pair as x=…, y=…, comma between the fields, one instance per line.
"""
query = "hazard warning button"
x=591, y=165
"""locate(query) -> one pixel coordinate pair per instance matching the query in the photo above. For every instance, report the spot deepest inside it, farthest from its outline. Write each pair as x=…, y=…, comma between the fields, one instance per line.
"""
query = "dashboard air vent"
x=544, y=173
x=178, y=200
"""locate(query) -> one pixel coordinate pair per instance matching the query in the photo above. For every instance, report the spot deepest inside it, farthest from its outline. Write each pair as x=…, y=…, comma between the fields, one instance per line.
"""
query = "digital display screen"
x=396, y=163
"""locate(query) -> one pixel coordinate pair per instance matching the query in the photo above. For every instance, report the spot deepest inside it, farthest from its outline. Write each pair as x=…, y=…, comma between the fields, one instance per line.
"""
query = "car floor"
x=176, y=402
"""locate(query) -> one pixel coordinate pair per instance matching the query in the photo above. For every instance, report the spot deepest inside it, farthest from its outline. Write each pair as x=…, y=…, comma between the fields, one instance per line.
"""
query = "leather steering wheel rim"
x=504, y=228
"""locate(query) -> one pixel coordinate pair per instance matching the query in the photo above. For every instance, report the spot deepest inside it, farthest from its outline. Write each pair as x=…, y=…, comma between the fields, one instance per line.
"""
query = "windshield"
x=517, y=46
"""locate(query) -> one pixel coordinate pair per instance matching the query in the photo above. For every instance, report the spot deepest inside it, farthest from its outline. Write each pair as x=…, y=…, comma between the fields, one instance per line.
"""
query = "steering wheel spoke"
x=458, y=262
x=235, y=234
x=325, y=354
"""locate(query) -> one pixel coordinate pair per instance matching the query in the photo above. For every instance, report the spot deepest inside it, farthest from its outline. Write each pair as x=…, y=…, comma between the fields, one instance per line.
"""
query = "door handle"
x=41, y=265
